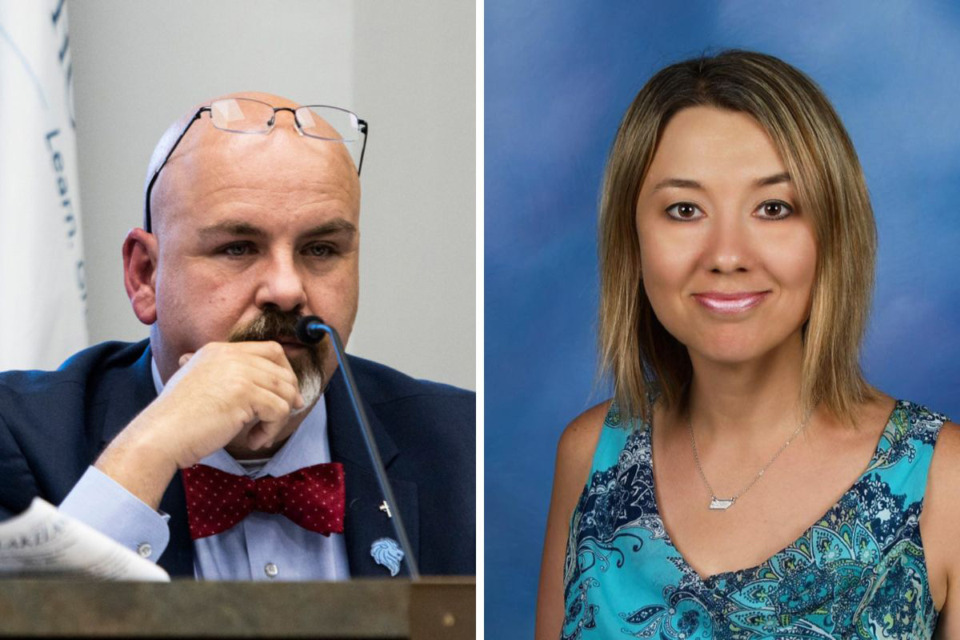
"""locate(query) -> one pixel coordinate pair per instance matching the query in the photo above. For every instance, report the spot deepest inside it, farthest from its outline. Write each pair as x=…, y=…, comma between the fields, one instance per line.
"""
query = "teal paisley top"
x=858, y=572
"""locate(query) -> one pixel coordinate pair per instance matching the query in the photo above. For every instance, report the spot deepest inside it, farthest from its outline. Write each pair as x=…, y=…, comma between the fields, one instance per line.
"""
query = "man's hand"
x=240, y=393
x=226, y=393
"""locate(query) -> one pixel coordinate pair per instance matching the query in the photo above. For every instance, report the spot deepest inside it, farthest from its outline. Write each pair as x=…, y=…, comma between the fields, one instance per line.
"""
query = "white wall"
x=415, y=84
x=406, y=67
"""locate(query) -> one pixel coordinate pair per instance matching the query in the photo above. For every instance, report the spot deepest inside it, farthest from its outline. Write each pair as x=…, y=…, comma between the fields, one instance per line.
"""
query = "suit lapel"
x=365, y=522
x=122, y=399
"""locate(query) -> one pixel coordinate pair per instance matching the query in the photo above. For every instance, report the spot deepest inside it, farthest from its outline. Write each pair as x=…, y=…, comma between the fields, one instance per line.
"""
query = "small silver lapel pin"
x=386, y=509
x=386, y=552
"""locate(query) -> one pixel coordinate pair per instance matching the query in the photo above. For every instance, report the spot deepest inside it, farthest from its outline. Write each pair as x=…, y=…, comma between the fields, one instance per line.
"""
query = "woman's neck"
x=748, y=401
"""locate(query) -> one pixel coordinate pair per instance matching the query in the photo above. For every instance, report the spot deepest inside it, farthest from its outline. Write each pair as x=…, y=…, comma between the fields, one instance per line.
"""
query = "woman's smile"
x=730, y=304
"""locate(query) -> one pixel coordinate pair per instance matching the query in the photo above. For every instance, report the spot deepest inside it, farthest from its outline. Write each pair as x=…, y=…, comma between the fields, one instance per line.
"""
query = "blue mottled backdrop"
x=558, y=77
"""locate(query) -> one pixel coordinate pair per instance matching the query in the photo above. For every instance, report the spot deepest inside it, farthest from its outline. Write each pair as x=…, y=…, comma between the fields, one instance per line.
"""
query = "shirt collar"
x=309, y=444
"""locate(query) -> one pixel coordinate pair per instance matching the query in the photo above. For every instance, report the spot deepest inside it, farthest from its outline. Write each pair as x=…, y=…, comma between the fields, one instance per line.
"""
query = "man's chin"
x=240, y=450
x=311, y=387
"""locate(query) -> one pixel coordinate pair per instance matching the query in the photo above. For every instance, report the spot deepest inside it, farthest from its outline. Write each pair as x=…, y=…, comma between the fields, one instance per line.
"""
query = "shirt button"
x=144, y=549
x=271, y=570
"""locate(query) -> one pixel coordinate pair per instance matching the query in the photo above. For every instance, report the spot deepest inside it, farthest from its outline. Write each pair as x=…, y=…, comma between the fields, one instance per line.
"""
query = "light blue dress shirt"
x=263, y=546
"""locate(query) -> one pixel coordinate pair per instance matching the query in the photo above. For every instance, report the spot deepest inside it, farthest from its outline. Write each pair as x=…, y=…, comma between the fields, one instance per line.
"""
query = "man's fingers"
x=267, y=349
x=270, y=407
x=251, y=388
x=272, y=411
x=277, y=380
x=267, y=368
x=283, y=370
x=263, y=435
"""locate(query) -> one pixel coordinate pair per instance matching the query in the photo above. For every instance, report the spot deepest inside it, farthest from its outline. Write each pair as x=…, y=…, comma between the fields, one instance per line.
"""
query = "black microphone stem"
x=374, y=453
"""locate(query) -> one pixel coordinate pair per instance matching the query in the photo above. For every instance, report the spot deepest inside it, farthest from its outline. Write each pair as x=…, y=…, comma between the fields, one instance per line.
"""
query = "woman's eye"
x=774, y=210
x=684, y=211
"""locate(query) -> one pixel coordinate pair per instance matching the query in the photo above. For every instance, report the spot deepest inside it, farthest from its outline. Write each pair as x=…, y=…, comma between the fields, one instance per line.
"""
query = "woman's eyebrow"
x=778, y=178
x=686, y=183
x=677, y=183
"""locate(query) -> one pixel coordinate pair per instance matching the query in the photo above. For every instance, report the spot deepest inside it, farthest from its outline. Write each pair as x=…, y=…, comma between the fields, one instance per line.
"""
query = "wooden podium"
x=431, y=608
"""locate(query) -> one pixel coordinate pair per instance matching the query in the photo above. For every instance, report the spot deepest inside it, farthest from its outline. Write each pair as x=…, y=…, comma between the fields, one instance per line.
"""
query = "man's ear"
x=140, y=273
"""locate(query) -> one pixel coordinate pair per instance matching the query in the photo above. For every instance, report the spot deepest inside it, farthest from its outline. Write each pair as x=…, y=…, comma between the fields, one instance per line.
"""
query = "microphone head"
x=307, y=332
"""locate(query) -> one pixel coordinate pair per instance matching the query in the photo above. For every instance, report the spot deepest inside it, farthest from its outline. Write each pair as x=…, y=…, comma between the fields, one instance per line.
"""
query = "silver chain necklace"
x=722, y=504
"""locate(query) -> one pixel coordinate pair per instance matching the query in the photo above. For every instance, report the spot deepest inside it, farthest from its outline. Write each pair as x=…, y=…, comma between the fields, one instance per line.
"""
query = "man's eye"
x=774, y=210
x=320, y=250
x=684, y=211
x=237, y=249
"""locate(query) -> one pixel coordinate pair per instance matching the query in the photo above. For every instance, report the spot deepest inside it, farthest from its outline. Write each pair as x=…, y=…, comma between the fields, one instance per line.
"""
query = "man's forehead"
x=169, y=137
x=209, y=154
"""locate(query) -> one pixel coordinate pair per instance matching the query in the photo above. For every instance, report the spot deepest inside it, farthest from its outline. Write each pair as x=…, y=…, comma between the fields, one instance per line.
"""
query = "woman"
x=745, y=481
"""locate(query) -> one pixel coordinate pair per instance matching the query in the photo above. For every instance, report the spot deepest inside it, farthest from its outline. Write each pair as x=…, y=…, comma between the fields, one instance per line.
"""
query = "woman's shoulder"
x=579, y=438
x=578, y=443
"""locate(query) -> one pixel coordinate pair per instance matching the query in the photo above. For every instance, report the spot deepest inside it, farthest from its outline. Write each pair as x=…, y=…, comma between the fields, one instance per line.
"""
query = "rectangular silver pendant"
x=721, y=505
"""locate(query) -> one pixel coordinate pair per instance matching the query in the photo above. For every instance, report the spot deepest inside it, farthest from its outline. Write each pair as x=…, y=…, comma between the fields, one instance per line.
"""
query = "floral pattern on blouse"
x=857, y=572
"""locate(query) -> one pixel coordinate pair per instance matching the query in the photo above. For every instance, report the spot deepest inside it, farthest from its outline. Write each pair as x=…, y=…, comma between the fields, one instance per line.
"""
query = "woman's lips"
x=730, y=303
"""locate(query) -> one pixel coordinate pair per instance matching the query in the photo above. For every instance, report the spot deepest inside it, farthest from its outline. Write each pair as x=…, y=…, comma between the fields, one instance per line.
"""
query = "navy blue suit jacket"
x=53, y=425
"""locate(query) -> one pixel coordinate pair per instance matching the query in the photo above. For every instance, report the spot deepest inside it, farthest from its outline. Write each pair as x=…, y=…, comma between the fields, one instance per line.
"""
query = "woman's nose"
x=728, y=244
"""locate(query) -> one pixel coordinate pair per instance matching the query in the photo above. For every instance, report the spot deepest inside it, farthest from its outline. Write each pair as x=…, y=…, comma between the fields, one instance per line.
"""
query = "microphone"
x=311, y=330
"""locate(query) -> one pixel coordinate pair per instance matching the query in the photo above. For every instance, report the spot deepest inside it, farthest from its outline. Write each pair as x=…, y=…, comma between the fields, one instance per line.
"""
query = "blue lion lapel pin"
x=387, y=553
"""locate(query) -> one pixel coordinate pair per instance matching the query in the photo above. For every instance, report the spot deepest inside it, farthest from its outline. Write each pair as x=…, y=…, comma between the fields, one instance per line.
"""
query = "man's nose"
x=280, y=284
x=728, y=246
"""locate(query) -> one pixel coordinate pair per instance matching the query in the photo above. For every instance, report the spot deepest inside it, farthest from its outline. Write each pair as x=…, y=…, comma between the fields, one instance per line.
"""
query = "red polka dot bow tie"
x=312, y=497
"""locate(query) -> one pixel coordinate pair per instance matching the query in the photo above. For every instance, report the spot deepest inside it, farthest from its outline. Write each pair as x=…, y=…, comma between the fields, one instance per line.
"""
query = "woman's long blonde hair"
x=639, y=354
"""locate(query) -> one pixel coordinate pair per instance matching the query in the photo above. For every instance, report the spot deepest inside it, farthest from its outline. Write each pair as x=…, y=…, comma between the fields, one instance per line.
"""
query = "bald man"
x=243, y=235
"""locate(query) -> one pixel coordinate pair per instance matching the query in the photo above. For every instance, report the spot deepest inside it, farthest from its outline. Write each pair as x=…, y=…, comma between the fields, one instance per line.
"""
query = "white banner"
x=42, y=286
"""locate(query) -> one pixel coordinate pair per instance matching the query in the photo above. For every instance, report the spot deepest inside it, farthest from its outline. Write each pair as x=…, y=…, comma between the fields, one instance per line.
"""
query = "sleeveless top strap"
x=905, y=450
